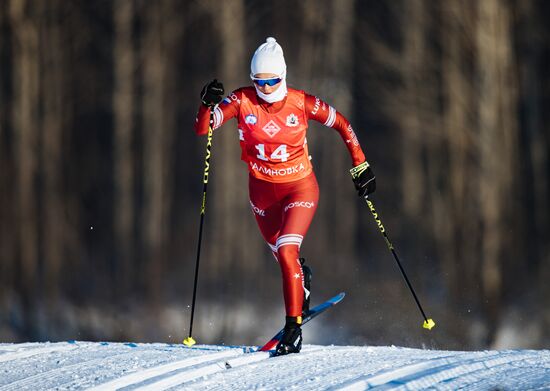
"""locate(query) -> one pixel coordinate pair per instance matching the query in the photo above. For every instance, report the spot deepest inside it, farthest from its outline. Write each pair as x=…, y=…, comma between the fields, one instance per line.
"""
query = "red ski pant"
x=284, y=212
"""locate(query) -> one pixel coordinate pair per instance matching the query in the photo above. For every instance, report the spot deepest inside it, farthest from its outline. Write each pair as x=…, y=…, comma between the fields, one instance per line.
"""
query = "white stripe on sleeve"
x=218, y=117
x=331, y=117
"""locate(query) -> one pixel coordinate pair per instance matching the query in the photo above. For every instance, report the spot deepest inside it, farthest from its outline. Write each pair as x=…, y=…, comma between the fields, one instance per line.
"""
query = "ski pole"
x=428, y=323
x=189, y=341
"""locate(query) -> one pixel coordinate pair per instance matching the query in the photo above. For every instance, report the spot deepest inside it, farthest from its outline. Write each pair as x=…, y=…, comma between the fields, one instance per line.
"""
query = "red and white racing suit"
x=282, y=186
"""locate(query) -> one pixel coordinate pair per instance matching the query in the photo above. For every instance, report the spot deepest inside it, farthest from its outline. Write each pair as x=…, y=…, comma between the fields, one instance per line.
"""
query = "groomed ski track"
x=111, y=366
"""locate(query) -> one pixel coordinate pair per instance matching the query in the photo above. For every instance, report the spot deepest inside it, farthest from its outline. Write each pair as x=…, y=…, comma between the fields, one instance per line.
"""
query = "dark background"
x=101, y=173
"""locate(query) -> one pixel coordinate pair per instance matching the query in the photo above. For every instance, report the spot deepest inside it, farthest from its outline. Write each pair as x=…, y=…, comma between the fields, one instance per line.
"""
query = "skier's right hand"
x=212, y=93
x=364, y=179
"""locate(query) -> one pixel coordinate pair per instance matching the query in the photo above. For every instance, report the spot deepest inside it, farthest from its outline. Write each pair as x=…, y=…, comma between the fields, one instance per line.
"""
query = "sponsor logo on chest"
x=271, y=128
x=250, y=119
x=292, y=120
x=277, y=171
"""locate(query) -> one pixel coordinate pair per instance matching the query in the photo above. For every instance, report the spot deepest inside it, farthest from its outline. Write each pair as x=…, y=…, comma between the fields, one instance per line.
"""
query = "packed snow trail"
x=111, y=366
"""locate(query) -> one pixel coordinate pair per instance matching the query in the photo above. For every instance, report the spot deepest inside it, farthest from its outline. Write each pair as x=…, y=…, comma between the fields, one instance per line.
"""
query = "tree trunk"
x=497, y=143
x=123, y=108
x=461, y=252
x=324, y=67
x=230, y=208
x=154, y=152
x=26, y=124
x=159, y=107
x=414, y=65
x=52, y=75
x=7, y=170
x=340, y=205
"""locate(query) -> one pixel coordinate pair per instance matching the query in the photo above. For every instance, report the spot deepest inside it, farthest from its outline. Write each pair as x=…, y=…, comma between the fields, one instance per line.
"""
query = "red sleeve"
x=223, y=112
x=323, y=113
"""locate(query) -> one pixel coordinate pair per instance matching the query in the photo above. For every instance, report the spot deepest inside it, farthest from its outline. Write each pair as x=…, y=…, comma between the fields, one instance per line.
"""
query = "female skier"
x=272, y=124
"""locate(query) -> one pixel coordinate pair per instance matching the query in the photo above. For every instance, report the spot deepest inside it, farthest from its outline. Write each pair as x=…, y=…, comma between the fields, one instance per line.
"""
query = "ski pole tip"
x=189, y=341
x=428, y=324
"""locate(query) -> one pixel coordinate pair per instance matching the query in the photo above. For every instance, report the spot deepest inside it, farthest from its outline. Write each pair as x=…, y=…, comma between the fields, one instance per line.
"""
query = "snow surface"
x=108, y=366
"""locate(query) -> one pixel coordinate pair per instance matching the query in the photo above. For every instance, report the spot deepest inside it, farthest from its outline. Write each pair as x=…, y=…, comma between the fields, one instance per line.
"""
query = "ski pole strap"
x=358, y=170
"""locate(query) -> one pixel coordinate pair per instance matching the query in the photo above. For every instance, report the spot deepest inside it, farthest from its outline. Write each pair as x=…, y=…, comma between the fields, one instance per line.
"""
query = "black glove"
x=212, y=93
x=364, y=179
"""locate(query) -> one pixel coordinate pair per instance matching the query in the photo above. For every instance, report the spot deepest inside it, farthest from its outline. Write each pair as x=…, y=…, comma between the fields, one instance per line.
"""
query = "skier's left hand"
x=364, y=179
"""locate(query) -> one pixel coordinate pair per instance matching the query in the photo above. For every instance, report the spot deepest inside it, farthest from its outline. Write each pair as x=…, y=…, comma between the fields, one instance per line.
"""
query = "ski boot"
x=291, y=342
x=306, y=270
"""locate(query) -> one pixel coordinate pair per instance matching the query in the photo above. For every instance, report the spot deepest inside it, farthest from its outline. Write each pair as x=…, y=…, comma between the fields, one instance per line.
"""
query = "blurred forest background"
x=101, y=172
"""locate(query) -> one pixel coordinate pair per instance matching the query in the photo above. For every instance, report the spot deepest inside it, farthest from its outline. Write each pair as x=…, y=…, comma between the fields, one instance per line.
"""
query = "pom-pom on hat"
x=268, y=58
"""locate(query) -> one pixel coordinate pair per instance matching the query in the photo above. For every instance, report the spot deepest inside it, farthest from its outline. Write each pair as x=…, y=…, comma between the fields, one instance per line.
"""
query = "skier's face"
x=266, y=88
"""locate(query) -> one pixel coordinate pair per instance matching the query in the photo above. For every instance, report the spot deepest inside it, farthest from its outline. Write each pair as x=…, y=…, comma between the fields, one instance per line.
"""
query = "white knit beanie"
x=268, y=58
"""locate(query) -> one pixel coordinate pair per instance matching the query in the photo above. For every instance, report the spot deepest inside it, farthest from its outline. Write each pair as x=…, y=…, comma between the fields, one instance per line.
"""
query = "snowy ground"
x=108, y=366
